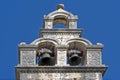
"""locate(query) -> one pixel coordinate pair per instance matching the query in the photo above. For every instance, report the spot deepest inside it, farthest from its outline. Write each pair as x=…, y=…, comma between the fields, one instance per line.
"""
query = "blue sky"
x=20, y=20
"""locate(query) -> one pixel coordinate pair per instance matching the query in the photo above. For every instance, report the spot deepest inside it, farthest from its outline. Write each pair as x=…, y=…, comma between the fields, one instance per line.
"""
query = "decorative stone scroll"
x=61, y=37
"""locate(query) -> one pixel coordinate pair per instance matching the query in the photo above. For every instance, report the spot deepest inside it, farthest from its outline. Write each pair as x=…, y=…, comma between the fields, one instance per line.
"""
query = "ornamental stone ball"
x=60, y=6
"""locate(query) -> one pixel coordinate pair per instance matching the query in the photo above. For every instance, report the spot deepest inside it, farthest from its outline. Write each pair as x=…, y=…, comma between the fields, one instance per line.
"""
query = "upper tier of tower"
x=60, y=16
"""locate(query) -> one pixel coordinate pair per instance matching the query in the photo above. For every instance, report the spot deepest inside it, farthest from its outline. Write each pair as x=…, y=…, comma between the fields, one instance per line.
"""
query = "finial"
x=100, y=44
x=22, y=43
x=60, y=6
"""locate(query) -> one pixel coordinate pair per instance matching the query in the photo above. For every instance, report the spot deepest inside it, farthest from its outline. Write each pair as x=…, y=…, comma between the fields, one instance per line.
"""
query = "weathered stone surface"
x=93, y=76
x=50, y=76
x=27, y=58
x=61, y=58
x=60, y=76
x=94, y=56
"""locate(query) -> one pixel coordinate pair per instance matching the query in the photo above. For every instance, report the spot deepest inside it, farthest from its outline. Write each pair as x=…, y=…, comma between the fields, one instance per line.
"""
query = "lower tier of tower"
x=60, y=73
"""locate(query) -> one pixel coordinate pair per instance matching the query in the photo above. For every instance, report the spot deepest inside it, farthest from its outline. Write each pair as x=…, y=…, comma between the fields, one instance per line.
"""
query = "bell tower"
x=60, y=53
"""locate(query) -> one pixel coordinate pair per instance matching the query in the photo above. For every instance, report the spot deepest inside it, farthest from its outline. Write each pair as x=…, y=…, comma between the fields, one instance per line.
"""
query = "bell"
x=46, y=59
x=74, y=59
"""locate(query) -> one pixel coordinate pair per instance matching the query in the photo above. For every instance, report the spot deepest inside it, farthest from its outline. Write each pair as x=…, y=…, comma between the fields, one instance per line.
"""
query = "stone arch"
x=40, y=40
x=60, y=16
x=61, y=19
x=81, y=40
x=79, y=44
x=43, y=45
x=60, y=12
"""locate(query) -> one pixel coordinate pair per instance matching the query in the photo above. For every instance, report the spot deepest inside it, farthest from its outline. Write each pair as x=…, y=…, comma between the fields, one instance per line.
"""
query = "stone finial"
x=60, y=6
x=22, y=43
x=100, y=44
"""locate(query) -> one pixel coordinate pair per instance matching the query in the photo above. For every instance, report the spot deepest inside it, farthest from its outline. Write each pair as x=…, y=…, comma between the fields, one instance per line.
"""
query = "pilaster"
x=62, y=55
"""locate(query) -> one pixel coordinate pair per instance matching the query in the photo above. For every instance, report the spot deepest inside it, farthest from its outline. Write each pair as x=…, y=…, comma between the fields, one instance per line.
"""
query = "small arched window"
x=60, y=21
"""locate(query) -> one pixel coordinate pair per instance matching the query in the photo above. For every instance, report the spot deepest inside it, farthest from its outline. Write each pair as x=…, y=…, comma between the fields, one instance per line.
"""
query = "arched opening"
x=75, y=53
x=59, y=26
x=60, y=21
x=46, y=54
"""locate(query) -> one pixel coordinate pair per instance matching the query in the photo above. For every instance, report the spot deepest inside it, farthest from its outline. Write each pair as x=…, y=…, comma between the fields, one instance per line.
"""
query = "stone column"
x=48, y=22
x=61, y=55
x=73, y=22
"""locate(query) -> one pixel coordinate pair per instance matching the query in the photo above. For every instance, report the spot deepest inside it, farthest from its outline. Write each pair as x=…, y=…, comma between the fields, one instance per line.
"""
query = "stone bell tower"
x=61, y=53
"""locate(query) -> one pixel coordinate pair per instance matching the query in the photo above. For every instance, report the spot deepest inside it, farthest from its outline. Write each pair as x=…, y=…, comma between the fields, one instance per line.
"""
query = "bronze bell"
x=46, y=59
x=75, y=56
x=74, y=59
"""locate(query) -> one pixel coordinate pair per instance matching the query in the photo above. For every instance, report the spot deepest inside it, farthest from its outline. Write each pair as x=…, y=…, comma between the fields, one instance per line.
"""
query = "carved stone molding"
x=53, y=69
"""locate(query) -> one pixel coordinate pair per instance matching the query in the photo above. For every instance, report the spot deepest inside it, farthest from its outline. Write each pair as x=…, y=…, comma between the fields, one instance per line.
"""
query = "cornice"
x=71, y=69
x=61, y=30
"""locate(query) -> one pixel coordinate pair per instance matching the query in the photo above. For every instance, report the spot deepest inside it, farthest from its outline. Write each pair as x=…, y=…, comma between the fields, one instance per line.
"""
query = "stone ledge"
x=94, y=46
x=27, y=46
x=61, y=30
x=64, y=69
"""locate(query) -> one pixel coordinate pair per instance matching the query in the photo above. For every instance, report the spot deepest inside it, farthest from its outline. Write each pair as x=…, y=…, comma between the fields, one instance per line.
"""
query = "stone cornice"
x=71, y=69
x=94, y=46
x=61, y=31
x=25, y=46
